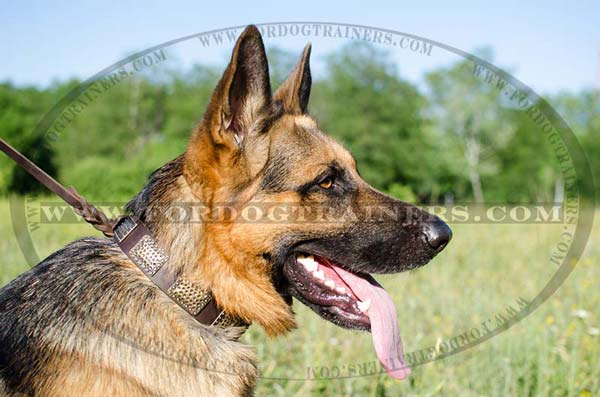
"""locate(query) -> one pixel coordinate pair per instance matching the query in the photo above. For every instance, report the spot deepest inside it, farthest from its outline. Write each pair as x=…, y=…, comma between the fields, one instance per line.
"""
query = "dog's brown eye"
x=327, y=183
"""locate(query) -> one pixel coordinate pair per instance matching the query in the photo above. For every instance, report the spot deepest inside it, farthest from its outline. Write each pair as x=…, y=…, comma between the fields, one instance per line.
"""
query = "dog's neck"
x=204, y=253
x=160, y=206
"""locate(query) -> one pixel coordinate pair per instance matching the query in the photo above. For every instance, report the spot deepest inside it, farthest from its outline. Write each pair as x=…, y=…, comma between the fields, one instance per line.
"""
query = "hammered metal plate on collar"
x=228, y=320
x=148, y=255
x=189, y=295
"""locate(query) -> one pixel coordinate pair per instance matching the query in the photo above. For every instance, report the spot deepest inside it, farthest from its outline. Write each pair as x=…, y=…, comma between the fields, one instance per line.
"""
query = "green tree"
x=363, y=102
x=581, y=111
x=281, y=63
x=527, y=166
x=467, y=112
x=22, y=108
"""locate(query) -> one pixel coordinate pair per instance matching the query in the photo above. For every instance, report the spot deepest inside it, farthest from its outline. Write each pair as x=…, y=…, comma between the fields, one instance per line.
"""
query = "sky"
x=551, y=46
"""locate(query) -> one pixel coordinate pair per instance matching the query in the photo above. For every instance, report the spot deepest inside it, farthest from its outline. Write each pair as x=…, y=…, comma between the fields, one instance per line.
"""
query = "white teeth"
x=308, y=262
x=340, y=290
x=330, y=283
x=319, y=274
x=364, y=306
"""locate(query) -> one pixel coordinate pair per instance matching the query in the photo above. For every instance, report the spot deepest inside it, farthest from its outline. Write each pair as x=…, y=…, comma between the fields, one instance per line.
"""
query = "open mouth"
x=351, y=300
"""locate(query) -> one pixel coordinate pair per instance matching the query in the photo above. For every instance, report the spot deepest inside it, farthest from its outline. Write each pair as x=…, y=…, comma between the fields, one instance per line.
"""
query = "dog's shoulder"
x=88, y=302
x=44, y=306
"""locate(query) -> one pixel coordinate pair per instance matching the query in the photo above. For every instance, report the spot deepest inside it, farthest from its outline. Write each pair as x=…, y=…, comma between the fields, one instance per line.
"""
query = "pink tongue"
x=384, y=323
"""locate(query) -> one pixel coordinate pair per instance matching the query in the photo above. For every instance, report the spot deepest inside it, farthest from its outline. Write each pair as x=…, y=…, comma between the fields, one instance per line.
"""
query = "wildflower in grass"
x=580, y=313
x=587, y=262
x=570, y=329
x=593, y=331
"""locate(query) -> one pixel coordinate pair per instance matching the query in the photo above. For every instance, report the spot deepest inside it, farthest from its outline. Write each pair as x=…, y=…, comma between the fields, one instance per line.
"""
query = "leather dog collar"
x=136, y=241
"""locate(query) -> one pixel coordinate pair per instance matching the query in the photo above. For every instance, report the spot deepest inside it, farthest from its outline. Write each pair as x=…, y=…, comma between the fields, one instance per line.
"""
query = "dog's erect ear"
x=242, y=101
x=295, y=91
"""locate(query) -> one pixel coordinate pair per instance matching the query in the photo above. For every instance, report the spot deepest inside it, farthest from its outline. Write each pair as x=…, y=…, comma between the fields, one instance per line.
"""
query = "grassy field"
x=555, y=351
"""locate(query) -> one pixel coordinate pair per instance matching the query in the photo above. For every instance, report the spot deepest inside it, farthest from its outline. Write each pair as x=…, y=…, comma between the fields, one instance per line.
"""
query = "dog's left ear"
x=295, y=91
x=241, y=103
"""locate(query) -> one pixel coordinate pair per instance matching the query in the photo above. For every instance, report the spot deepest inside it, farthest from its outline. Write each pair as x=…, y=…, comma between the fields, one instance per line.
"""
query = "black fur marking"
x=305, y=86
x=160, y=183
x=341, y=183
x=276, y=174
x=67, y=292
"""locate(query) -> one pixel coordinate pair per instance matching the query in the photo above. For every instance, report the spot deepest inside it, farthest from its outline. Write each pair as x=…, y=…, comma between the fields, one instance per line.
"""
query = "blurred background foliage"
x=448, y=139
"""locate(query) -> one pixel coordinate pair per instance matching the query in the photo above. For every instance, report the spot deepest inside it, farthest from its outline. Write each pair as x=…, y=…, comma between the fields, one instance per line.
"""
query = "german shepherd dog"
x=87, y=322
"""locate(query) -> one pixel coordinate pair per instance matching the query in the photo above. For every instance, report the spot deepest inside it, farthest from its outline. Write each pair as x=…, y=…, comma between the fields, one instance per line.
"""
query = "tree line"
x=450, y=138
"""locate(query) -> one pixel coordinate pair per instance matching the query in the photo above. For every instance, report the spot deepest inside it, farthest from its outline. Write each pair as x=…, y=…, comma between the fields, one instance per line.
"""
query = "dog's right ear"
x=295, y=90
x=241, y=103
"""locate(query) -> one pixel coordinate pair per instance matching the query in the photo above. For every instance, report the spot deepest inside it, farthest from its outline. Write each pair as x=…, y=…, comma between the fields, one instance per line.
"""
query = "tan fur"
x=170, y=355
x=130, y=339
x=229, y=252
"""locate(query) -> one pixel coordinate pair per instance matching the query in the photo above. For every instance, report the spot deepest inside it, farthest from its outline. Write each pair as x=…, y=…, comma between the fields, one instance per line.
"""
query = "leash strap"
x=136, y=241
x=91, y=214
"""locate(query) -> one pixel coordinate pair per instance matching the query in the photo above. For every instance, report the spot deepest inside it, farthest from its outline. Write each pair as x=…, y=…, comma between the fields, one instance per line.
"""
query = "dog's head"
x=301, y=221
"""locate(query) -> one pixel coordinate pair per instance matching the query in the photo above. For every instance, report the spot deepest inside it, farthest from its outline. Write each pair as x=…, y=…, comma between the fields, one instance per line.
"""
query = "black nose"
x=437, y=234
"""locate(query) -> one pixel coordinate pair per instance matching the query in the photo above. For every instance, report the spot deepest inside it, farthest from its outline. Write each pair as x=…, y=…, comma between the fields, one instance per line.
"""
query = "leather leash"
x=90, y=213
x=135, y=239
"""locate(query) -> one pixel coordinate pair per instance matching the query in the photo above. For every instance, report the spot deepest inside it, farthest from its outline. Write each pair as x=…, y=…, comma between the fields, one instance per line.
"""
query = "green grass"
x=553, y=352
